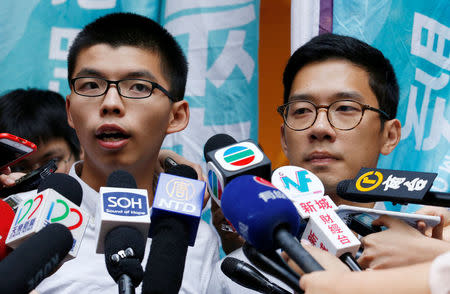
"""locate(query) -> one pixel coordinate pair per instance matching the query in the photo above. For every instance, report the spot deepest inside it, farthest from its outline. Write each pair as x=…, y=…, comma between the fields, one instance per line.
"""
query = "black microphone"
x=124, y=251
x=272, y=264
x=248, y=276
x=173, y=228
x=227, y=159
x=64, y=185
x=397, y=186
x=35, y=259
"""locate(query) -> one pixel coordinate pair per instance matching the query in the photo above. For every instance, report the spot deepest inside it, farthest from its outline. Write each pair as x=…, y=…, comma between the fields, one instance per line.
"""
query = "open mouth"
x=112, y=136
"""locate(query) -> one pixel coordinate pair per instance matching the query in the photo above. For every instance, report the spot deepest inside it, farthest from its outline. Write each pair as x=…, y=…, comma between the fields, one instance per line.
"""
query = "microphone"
x=274, y=265
x=266, y=218
x=124, y=251
x=325, y=228
x=227, y=159
x=247, y=276
x=121, y=204
x=372, y=184
x=57, y=201
x=34, y=260
x=175, y=218
x=6, y=219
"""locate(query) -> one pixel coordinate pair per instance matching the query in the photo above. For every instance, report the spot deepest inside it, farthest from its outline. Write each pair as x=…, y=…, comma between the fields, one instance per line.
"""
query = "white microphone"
x=121, y=204
x=325, y=229
x=57, y=201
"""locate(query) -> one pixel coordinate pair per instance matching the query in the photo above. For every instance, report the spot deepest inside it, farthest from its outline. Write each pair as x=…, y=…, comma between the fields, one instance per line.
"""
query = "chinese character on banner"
x=323, y=203
x=393, y=182
x=307, y=207
x=312, y=238
x=19, y=229
x=322, y=246
x=416, y=185
x=326, y=218
x=343, y=239
x=335, y=229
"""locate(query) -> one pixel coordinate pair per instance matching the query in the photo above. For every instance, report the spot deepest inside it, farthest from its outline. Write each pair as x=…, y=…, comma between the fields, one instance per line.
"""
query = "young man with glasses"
x=127, y=77
x=340, y=103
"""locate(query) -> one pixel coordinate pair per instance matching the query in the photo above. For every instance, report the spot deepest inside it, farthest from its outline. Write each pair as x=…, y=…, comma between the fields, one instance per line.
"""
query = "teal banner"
x=415, y=36
x=219, y=38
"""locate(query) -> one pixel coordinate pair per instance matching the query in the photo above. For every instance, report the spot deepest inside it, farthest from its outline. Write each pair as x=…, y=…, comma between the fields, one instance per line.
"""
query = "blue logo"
x=125, y=204
x=301, y=184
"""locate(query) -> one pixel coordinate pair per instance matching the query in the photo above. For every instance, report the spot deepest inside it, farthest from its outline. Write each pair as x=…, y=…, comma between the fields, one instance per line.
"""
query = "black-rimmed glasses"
x=300, y=115
x=128, y=88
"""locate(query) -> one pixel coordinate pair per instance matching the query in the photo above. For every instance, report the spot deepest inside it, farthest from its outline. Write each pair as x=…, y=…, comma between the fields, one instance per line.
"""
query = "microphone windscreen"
x=216, y=142
x=342, y=186
x=121, y=179
x=35, y=259
x=6, y=219
x=117, y=241
x=165, y=265
x=256, y=208
x=65, y=185
x=182, y=170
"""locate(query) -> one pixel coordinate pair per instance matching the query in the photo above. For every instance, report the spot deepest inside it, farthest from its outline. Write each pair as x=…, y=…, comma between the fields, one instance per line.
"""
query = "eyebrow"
x=135, y=74
x=340, y=95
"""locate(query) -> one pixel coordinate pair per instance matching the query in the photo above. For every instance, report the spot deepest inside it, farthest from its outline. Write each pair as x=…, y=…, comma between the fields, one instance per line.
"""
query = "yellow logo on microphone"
x=370, y=180
x=180, y=190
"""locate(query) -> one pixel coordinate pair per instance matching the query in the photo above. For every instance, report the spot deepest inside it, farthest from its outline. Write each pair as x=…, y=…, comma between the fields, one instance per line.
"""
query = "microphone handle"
x=295, y=250
x=125, y=285
x=275, y=289
x=351, y=262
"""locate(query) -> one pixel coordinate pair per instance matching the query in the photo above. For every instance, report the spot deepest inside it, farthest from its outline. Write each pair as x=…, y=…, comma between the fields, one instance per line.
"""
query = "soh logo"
x=214, y=185
x=369, y=181
x=124, y=203
x=179, y=189
x=239, y=156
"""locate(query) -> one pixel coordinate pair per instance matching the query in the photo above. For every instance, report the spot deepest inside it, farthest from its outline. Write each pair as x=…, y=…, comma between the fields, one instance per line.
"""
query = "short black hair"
x=37, y=116
x=382, y=79
x=129, y=29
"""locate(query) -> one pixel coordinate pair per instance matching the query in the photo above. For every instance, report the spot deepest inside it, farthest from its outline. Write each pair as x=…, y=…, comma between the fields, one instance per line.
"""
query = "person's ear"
x=284, y=145
x=178, y=117
x=69, y=116
x=391, y=134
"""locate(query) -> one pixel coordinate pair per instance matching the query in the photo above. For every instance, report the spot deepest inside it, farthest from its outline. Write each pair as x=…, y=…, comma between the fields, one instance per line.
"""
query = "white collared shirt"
x=87, y=273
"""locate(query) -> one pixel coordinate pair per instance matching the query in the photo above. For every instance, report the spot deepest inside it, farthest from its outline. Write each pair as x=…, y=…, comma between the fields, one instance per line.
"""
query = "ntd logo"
x=239, y=156
x=180, y=189
x=124, y=203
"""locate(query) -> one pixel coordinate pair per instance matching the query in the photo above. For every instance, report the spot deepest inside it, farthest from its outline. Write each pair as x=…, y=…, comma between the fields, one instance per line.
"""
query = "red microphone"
x=6, y=219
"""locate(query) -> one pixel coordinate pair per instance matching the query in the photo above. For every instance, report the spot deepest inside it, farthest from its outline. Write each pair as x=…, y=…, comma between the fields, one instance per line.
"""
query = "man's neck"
x=95, y=178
